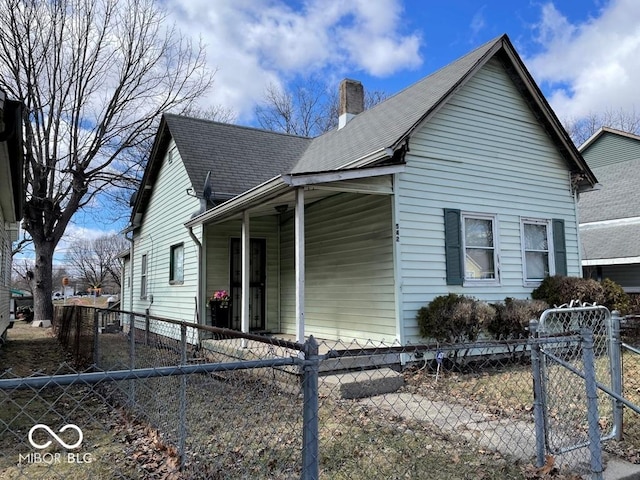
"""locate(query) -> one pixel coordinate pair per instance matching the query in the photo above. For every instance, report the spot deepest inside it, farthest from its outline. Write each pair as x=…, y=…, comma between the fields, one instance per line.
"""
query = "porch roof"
x=279, y=192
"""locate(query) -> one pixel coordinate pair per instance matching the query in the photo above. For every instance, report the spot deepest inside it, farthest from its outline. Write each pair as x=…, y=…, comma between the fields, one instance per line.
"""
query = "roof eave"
x=144, y=190
x=271, y=188
x=562, y=138
x=282, y=184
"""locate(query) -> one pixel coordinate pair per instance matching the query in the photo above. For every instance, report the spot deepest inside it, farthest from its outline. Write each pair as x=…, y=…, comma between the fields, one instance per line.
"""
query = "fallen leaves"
x=148, y=451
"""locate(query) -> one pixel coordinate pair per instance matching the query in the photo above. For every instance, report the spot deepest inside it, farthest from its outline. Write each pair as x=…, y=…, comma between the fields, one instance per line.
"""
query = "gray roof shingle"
x=239, y=158
x=386, y=123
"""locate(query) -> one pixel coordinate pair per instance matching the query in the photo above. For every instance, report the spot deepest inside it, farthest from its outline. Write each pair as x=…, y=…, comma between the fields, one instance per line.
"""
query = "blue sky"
x=584, y=54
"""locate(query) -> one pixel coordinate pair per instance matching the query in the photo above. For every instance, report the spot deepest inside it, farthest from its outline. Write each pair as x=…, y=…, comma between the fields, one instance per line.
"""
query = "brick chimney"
x=351, y=101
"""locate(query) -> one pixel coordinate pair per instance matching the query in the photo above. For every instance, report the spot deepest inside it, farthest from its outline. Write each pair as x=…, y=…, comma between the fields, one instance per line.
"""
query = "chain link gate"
x=574, y=353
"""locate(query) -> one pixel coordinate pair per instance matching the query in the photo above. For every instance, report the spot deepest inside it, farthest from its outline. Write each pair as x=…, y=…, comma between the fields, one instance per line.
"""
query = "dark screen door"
x=257, y=276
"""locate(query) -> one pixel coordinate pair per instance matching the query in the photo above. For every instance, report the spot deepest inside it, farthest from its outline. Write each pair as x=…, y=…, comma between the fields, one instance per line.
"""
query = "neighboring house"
x=610, y=215
x=464, y=182
x=11, y=197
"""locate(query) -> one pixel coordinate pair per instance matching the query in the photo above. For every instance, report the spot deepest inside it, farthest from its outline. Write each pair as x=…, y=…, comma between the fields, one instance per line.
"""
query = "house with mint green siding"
x=464, y=182
x=610, y=215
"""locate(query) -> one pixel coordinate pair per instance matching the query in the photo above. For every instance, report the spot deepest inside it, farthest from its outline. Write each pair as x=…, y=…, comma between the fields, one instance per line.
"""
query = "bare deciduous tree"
x=218, y=113
x=581, y=129
x=97, y=262
x=309, y=109
x=94, y=75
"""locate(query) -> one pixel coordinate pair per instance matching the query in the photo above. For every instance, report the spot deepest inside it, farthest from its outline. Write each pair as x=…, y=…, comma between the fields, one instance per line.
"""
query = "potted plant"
x=220, y=297
x=219, y=303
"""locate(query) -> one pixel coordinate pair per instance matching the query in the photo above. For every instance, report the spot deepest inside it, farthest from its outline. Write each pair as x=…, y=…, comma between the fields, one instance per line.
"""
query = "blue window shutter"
x=453, y=246
x=559, y=246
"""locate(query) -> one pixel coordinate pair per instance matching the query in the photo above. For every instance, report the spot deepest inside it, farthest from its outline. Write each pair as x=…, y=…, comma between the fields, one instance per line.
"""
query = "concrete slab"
x=491, y=430
x=361, y=384
x=41, y=323
x=618, y=469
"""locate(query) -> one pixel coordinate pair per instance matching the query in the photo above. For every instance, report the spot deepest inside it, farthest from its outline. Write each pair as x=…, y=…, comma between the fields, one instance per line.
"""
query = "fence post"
x=132, y=357
x=182, y=407
x=592, y=402
x=538, y=392
x=146, y=327
x=96, y=338
x=615, y=348
x=310, y=451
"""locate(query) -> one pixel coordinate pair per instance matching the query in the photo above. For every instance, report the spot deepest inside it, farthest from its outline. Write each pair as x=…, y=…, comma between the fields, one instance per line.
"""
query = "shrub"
x=558, y=290
x=454, y=318
x=615, y=298
x=634, y=304
x=512, y=317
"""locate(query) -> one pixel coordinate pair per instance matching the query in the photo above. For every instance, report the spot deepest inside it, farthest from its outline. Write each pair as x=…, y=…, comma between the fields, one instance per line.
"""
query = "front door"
x=257, y=277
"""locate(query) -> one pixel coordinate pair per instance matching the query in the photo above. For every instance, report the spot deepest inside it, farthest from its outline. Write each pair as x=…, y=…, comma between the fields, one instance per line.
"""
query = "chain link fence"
x=174, y=400
x=630, y=361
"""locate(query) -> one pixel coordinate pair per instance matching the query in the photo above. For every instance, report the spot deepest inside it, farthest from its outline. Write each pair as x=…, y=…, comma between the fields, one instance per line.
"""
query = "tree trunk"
x=41, y=283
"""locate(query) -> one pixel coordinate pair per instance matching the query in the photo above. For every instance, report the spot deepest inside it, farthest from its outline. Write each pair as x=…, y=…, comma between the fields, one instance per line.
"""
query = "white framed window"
x=176, y=264
x=143, y=276
x=480, y=248
x=537, y=249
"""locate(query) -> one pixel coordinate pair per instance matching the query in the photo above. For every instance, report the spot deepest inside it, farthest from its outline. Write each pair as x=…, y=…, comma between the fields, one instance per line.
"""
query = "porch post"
x=299, y=264
x=244, y=310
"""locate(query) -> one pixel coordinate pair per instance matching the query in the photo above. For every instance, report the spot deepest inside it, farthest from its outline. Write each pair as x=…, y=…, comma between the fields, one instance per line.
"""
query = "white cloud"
x=593, y=66
x=478, y=21
x=255, y=43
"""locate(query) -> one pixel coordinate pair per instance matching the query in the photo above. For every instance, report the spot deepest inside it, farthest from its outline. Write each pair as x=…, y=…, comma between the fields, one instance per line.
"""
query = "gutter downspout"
x=199, y=263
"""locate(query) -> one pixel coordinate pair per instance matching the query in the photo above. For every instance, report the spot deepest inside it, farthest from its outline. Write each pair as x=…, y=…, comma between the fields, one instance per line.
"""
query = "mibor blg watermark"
x=72, y=439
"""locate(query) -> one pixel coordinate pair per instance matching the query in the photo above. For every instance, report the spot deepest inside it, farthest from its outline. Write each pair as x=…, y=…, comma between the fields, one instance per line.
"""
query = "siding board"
x=349, y=279
x=168, y=209
x=483, y=152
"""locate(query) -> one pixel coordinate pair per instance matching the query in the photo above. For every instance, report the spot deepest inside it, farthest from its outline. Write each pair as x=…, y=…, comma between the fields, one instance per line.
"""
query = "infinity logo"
x=54, y=436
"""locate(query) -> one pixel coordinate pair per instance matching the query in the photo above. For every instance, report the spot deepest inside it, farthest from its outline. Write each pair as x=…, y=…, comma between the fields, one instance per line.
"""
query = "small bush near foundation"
x=512, y=317
x=454, y=318
x=615, y=298
x=558, y=290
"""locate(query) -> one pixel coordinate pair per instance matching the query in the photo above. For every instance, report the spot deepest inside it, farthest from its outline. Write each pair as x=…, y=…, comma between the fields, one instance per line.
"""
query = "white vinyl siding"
x=484, y=151
x=349, y=282
x=169, y=207
x=5, y=275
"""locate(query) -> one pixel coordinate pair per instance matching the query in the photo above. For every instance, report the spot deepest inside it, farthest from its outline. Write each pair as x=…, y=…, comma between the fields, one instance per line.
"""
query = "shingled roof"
x=241, y=158
x=388, y=123
x=238, y=157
